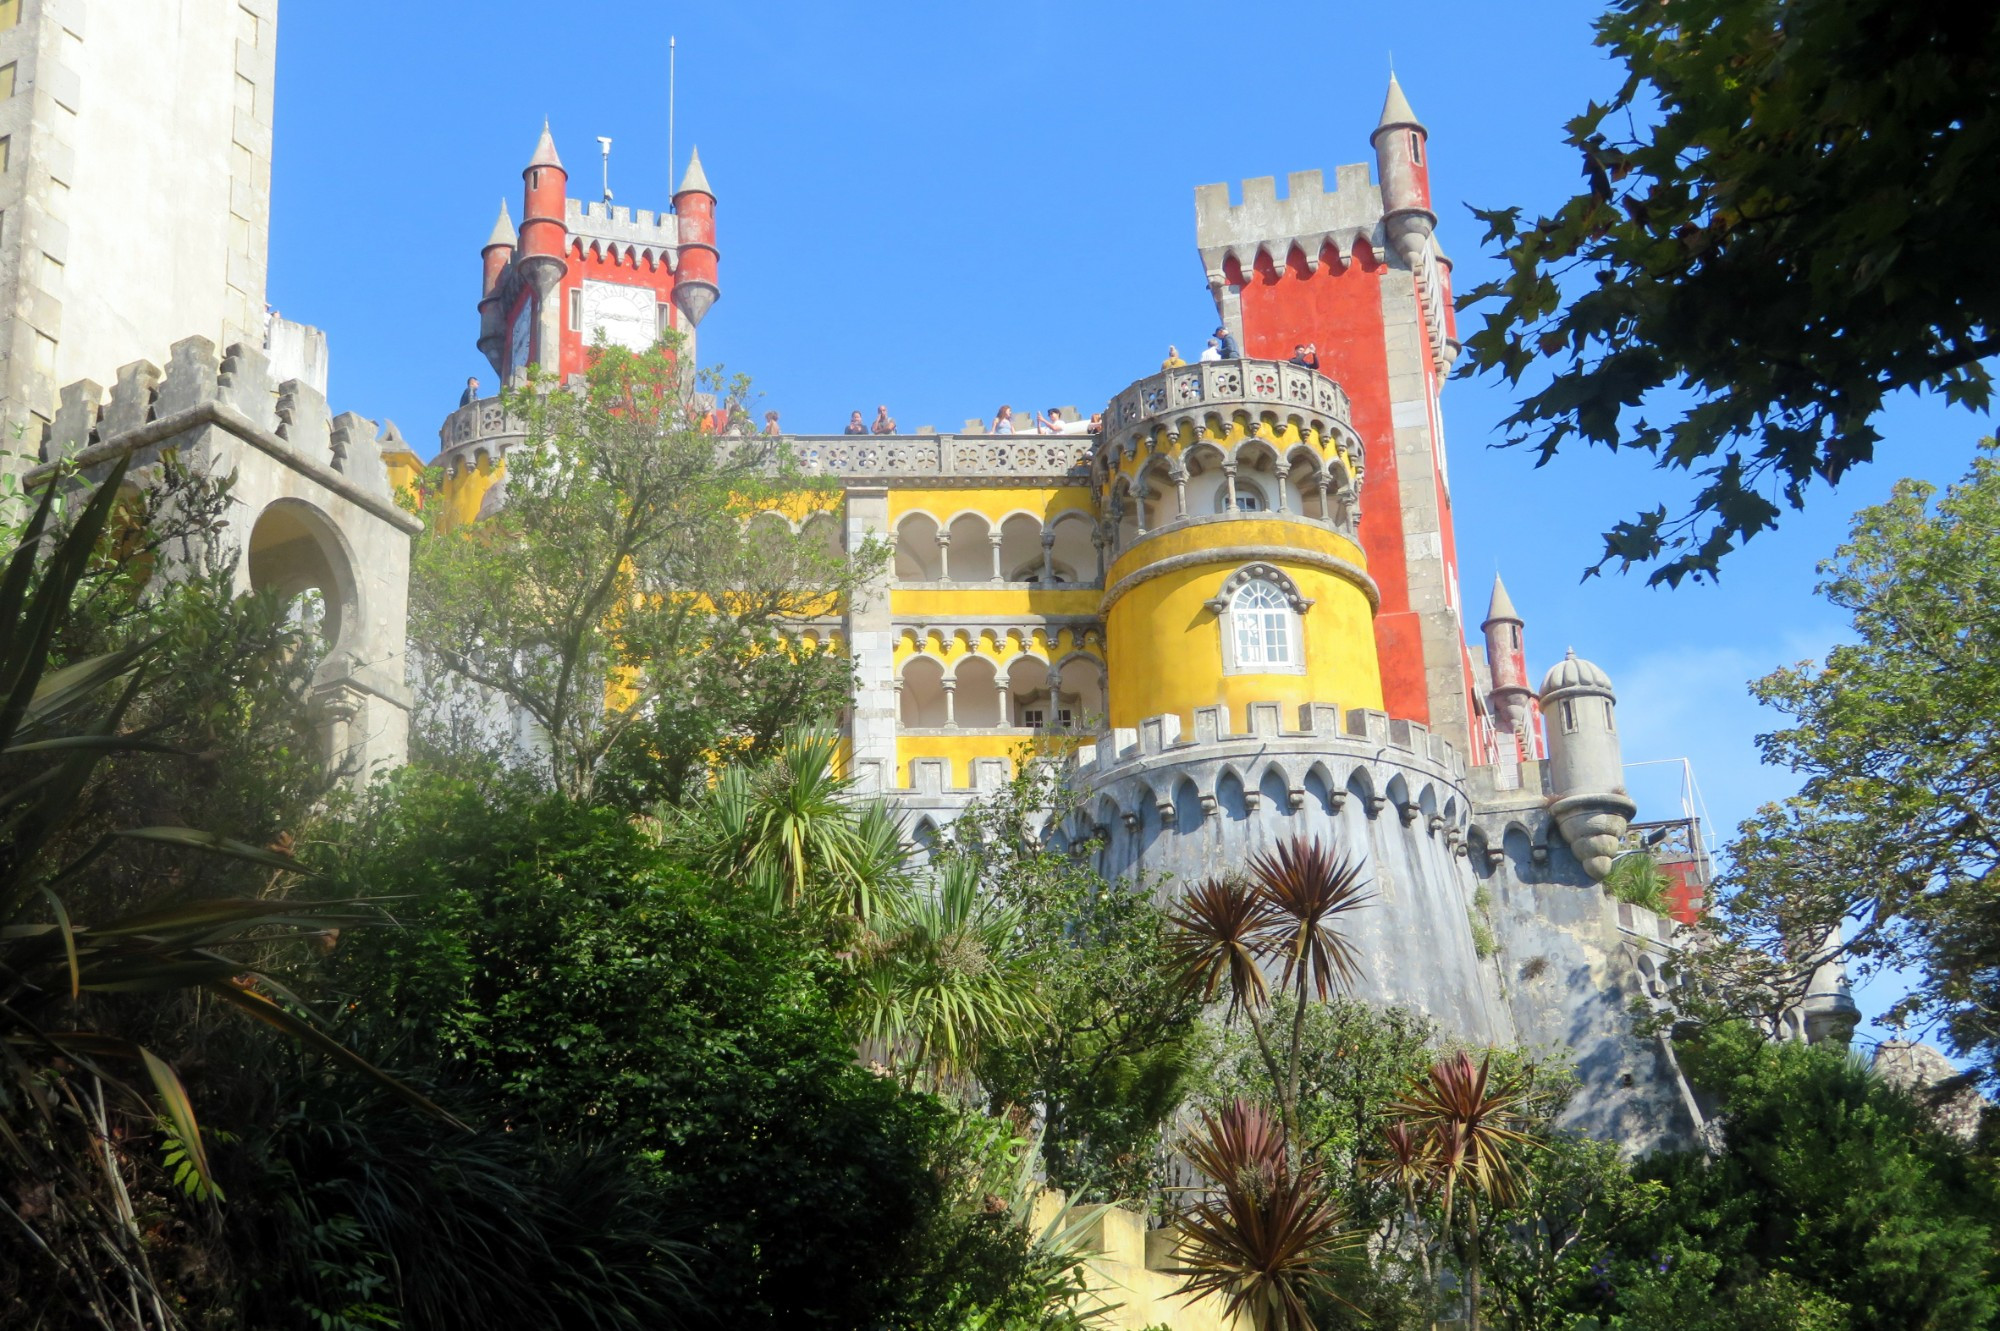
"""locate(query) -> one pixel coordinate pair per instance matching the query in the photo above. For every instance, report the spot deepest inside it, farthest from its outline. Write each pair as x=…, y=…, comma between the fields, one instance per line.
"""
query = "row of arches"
x=1236, y=792
x=1021, y=547
x=1255, y=478
x=1247, y=429
x=978, y=693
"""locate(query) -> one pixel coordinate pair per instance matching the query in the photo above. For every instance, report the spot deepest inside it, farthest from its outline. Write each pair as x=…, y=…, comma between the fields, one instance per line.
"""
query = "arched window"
x=1262, y=629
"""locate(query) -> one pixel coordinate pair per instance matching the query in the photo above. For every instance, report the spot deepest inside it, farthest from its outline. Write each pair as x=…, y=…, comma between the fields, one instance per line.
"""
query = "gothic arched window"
x=1263, y=628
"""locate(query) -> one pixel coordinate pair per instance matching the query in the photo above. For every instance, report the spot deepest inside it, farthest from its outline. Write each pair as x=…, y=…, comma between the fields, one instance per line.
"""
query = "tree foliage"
x=1776, y=233
x=622, y=597
x=1831, y=1203
x=1896, y=831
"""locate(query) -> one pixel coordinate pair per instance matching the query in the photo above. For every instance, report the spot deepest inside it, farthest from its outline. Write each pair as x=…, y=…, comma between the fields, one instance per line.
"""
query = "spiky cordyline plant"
x=1468, y=1121
x=60, y=1086
x=1266, y=1236
x=1285, y=914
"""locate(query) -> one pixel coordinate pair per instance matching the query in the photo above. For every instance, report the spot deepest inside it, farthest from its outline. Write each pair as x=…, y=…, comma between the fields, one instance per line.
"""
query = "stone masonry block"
x=1157, y=733
x=989, y=773
x=245, y=384
x=76, y=419
x=1265, y=718
x=929, y=776
x=357, y=453
x=131, y=404
x=303, y=420
x=1319, y=718
x=1124, y=742
x=1367, y=723
x=191, y=376
x=1210, y=724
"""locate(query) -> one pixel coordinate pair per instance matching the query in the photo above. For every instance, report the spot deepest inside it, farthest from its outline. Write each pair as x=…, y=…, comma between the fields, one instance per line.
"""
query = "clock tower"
x=579, y=272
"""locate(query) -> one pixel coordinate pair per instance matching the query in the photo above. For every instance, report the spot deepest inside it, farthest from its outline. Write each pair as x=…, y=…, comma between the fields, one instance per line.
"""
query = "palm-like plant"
x=56, y=728
x=1285, y=915
x=790, y=832
x=1468, y=1120
x=1268, y=1232
x=948, y=974
x=1309, y=889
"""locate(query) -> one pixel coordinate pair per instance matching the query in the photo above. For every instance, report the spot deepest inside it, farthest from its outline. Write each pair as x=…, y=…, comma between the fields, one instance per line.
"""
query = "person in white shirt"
x=1213, y=351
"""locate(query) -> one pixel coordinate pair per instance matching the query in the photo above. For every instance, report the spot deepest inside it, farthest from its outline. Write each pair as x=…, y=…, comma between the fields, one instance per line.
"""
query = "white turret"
x=1586, y=770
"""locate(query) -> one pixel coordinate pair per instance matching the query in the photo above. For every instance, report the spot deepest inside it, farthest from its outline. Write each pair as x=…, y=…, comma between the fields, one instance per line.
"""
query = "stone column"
x=944, y=556
x=871, y=644
x=994, y=541
x=1229, y=484
x=1325, y=487
x=1180, y=492
x=950, y=687
x=1006, y=696
x=1097, y=540
x=1139, y=509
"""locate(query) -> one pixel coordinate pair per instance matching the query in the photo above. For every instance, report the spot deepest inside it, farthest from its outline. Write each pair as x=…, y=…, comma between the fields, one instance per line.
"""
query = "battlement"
x=1311, y=217
x=1273, y=393
x=1265, y=721
x=622, y=232
x=149, y=408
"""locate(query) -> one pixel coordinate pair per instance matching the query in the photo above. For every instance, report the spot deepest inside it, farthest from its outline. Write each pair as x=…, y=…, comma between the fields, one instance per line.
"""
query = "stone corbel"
x=1296, y=797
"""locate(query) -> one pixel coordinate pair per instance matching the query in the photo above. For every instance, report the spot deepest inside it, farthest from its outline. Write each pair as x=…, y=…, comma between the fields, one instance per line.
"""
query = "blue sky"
x=943, y=208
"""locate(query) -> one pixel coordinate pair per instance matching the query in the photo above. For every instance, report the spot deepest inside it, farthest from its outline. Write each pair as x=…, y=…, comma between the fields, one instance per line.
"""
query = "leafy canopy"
x=1778, y=229
x=1896, y=831
x=623, y=586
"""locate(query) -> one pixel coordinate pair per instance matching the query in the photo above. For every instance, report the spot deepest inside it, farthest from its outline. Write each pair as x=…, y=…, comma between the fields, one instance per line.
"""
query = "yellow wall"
x=991, y=500
x=461, y=494
x=1165, y=646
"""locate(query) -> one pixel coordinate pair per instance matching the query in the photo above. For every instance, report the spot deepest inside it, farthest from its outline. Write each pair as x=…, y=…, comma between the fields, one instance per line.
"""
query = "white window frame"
x=1281, y=605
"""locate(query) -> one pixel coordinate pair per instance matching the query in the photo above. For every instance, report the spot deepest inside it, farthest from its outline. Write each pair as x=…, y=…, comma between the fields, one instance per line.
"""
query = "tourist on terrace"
x=1306, y=354
x=855, y=425
x=1097, y=422
x=1226, y=343
x=1003, y=421
x=771, y=423
x=471, y=393
x=1173, y=360
x=1213, y=351
x=1051, y=423
x=884, y=422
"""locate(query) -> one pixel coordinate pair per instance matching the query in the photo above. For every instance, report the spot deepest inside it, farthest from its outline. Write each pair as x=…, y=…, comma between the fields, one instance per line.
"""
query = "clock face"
x=518, y=339
x=624, y=315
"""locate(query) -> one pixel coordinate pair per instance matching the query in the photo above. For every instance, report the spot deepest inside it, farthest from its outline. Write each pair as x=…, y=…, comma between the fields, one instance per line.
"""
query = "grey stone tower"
x=1586, y=769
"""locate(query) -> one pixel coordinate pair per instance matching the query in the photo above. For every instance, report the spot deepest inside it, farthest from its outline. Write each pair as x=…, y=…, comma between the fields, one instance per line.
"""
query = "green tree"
x=1773, y=237
x=623, y=595
x=1831, y=1202
x=562, y=964
x=1895, y=832
x=1107, y=1065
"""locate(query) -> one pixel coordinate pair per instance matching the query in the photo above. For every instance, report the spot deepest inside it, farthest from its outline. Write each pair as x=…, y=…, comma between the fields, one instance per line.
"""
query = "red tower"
x=581, y=271
x=1356, y=274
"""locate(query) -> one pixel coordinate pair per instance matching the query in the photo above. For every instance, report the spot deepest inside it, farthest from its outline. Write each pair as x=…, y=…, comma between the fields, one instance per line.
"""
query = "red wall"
x=585, y=261
x=1339, y=309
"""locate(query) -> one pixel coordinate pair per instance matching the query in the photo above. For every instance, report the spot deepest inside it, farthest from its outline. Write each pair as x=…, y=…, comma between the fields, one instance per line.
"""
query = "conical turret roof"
x=545, y=150
x=503, y=229
x=1502, y=605
x=696, y=178
x=1396, y=108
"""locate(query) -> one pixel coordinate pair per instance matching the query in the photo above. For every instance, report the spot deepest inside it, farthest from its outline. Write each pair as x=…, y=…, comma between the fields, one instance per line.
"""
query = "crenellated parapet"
x=1264, y=229
x=622, y=235
x=312, y=511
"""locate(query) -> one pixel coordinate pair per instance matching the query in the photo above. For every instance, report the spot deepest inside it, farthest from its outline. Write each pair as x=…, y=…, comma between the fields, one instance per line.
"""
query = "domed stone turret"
x=1586, y=769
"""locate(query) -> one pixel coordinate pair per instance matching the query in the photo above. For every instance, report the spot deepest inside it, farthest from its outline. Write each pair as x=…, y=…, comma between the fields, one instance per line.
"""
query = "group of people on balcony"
x=1222, y=346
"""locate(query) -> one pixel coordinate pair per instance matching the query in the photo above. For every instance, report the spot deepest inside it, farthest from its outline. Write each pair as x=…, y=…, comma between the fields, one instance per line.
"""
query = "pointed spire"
x=545, y=150
x=1396, y=108
x=696, y=178
x=1502, y=606
x=503, y=229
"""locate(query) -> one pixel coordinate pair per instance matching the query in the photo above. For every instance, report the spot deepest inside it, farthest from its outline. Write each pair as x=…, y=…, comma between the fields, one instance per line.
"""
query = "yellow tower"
x=1227, y=491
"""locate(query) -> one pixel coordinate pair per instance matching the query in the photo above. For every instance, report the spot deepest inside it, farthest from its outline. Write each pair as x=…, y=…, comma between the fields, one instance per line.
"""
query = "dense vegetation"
x=684, y=1034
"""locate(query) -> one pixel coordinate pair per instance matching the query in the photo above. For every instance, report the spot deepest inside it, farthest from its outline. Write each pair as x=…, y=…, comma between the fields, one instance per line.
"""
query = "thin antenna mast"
x=673, y=162
x=605, y=144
